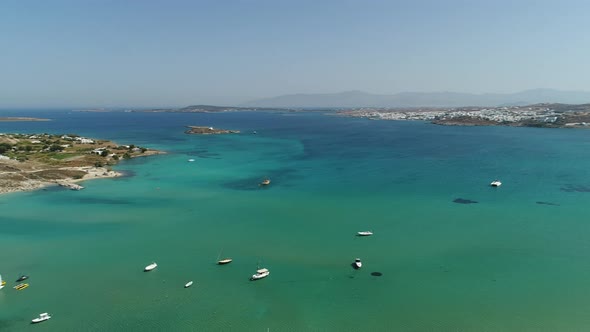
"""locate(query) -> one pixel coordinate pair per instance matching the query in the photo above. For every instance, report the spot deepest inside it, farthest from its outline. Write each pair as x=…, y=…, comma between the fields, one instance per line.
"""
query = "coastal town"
x=538, y=115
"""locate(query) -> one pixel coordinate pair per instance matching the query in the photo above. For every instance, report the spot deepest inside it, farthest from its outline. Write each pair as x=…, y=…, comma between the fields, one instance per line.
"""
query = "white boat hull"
x=41, y=318
x=150, y=267
x=224, y=261
x=357, y=264
x=188, y=284
x=259, y=276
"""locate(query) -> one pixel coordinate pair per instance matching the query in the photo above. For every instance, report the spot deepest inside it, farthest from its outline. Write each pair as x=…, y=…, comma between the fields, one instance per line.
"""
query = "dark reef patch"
x=547, y=203
x=204, y=153
x=88, y=200
x=464, y=201
x=376, y=274
x=575, y=188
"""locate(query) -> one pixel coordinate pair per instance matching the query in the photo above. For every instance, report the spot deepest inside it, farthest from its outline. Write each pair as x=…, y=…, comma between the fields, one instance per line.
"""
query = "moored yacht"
x=496, y=183
x=42, y=317
x=260, y=273
x=365, y=233
x=265, y=182
x=188, y=284
x=22, y=278
x=150, y=267
x=357, y=263
x=2, y=282
x=224, y=261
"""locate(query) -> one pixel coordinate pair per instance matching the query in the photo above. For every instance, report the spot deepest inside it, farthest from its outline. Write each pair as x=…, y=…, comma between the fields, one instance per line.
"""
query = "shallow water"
x=507, y=263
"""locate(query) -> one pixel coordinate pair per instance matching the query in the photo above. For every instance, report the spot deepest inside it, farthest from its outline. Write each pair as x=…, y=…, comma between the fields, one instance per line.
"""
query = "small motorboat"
x=357, y=263
x=22, y=278
x=265, y=182
x=188, y=284
x=2, y=283
x=365, y=233
x=496, y=183
x=150, y=267
x=42, y=317
x=191, y=160
x=21, y=286
x=260, y=273
x=224, y=261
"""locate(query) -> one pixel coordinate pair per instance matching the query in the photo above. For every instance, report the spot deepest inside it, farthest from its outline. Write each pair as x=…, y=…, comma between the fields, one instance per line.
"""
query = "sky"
x=144, y=53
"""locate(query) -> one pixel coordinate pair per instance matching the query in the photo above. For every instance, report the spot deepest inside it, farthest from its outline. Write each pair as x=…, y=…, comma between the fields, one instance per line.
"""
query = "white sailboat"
x=150, y=267
x=223, y=261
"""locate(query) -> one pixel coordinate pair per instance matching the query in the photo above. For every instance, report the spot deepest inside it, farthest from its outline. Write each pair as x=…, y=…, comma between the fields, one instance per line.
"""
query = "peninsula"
x=33, y=161
x=209, y=130
x=209, y=109
x=537, y=115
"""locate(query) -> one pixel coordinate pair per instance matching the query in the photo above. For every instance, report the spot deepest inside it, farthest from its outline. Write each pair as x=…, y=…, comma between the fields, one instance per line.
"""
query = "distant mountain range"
x=422, y=99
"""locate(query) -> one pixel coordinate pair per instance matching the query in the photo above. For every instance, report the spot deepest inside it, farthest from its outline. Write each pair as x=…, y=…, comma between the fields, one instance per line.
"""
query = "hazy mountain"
x=422, y=99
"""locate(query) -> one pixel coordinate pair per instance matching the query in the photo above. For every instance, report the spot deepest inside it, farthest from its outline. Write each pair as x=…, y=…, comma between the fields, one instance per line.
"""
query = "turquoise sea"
x=506, y=263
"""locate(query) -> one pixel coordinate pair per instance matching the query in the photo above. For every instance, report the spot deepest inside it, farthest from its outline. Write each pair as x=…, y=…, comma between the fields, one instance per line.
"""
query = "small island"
x=19, y=118
x=33, y=161
x=197, y=130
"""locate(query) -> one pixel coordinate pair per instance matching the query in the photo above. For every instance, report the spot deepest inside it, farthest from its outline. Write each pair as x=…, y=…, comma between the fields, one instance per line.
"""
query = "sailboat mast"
x=219, y=256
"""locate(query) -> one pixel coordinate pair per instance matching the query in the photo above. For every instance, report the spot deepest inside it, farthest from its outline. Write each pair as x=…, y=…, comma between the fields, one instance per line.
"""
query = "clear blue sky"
x=173, y=53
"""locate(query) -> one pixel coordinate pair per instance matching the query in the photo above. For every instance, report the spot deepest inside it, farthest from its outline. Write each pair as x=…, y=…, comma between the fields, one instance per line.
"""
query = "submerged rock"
x=575, y=188
x=547, y=203
x=463, y=201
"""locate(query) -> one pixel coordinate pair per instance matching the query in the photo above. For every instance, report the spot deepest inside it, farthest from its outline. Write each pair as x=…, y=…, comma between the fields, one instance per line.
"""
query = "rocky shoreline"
x=18, y=181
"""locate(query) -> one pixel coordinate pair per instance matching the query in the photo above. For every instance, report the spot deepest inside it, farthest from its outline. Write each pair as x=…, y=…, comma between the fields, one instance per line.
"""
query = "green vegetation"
x=55, y=147
x=61, y=156
x=65, y=150
x=4, y=147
